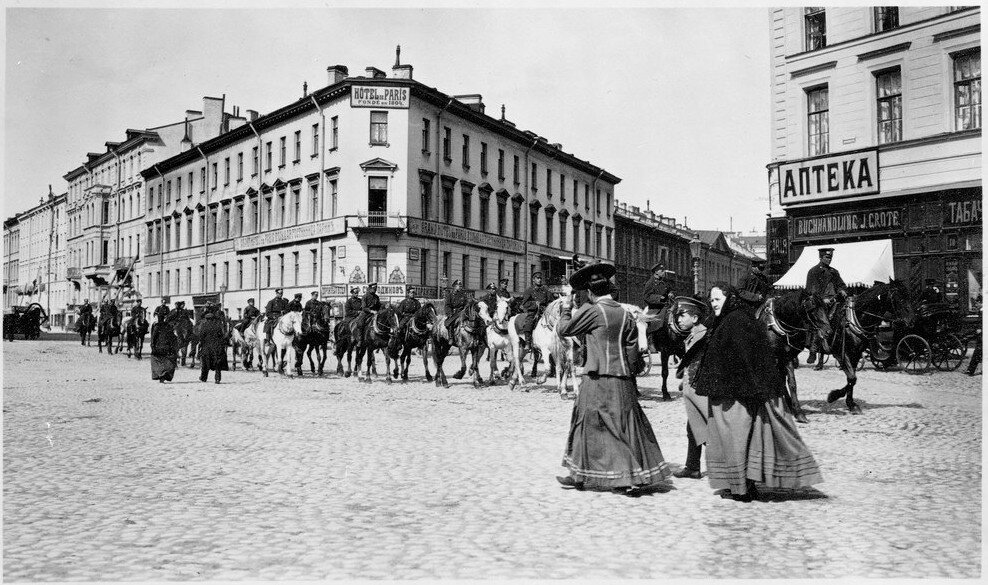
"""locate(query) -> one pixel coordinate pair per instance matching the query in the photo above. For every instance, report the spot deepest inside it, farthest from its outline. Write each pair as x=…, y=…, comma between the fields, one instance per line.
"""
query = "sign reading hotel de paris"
x=824, y=178
x=369, y=96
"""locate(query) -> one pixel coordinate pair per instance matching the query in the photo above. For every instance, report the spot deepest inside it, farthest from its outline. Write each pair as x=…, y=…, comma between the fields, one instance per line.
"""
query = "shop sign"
x=777, y=244
x=962, y=212
x=831, y=177
x=369, y=96
x=413, y=254
x=880, y=220
x=203, y=300
x=307, y=231
x=443, y=231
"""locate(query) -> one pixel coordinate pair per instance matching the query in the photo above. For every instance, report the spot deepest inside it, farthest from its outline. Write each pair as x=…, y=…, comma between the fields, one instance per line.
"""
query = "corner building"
x=876, y=133
x=369, y=179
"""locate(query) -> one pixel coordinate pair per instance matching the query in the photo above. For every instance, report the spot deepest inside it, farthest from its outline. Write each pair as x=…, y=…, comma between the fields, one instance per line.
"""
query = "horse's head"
x=642, y=319
x=502, y=313
x=899, y=301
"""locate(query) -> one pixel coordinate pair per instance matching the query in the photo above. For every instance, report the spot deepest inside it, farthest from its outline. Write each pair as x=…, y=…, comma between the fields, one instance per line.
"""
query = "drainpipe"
x=205, y=228
x=257, y=218
x=593, y=189
x=439, y=141
x=161, y=255
x=527, y=232
x=322, y=182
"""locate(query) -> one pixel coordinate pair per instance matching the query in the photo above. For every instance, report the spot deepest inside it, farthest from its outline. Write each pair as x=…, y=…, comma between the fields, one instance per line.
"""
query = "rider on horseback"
x=490, y=299
x=85, y=309
x=162, y=311
x=314, y=304
x=178, y=313
x=825, y=282
x=295, y=305
x=755, y=286
x=108, y=310
x=456, y=299
x=371, y=304
x=658, y=292
x=250, y=313
x=275, y=308
x=407, y=307
x=532, y=303
x=353, y=306
x=138, y=311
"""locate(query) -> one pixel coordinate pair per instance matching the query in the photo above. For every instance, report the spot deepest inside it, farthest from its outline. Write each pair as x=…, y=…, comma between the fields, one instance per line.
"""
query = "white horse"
x=498, y=338
x=642, y=320
x=288, y=327
x=549, y=342
x=254, y=339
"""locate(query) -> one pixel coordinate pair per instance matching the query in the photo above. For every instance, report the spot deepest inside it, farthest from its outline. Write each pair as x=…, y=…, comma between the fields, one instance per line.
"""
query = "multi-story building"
x=12, y=290
x=41, y=258
x=721, y=260
x=106, y=202
x=644, y=239
x=369, y=179
x=876, y=133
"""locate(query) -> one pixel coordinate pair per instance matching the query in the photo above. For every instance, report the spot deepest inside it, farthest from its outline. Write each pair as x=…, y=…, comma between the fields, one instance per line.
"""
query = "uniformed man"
x=177, y=313
x=162, y=311
x=502, y=290
x=825, y=281
x=657, y=289
x=490, y=299
x=371, y=304
x=295, y=305
x=456, y=299
x=250, y=312
x=313, y=305
x=755, y=286
x=273, y=311
x=408, y=306
x=138, y=310
x=109, y=308
x=85, y=309
x=532, y=302
x=353, y=305
x=931, y=293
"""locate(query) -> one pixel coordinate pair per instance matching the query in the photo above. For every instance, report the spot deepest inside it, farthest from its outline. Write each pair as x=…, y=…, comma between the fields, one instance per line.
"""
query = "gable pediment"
x=379, y=164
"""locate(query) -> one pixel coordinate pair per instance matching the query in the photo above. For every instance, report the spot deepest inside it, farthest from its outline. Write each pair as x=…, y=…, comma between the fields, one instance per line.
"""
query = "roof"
x=859, y=263
x=134, y=137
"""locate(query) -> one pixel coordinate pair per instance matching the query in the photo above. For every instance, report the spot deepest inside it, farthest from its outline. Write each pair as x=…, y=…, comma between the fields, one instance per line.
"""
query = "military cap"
x=279, y=290
x=315, y=293
x=163, y=299
x=250, y=300
x=354, y=290
x=826, y=252
x=456, y=282
x=505, y=279
x=592, y=274
x=685, y=303
x=658, y=266
x=138, y=301
x=372, y=285
x=410, y=289
x=536, y=275
x=298, y=295
x=180, y=304
x=492, y=286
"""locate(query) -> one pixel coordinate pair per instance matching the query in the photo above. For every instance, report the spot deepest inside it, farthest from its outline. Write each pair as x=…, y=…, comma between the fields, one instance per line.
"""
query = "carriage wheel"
x=647, y=356
x=948, y=353
x=913, y=353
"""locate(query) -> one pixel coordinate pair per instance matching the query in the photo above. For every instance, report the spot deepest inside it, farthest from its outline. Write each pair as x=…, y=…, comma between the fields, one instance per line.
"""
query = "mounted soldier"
x=408, y=306
x=456, y=299
x=108, y=310
x=138, y=311
x=85, y=309
x=755, y=286
x=178, y=313
x=825, y=282
x=658, y=291
x=295, y=305
x=353, y=306
x=490, y=299
x=161, y=311
x=532, y=303
x=250, y=312
x=273, y=311
x=371, y=304
x=313, y=305
x=502, y=289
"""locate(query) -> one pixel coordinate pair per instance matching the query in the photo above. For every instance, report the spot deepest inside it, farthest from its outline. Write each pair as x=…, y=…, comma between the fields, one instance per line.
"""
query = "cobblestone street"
x=110, y=476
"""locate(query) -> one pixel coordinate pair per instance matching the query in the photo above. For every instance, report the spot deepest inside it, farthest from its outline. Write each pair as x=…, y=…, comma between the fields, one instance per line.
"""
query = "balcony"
x=73, y=273
x=123, y=263
x=377, y=222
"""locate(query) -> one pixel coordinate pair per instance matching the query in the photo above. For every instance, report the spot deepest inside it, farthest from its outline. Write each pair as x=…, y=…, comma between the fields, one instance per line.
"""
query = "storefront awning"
x=859, y=263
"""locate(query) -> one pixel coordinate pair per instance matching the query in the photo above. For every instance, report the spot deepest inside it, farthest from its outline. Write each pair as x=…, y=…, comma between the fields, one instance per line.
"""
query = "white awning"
x=859, y=263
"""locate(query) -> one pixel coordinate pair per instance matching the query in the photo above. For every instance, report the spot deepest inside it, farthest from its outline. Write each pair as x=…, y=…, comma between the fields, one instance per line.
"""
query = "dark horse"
x=470, y=337
x=376, y=334
x=343, y=345
x=789, y=319
x=316, y=329
x=182, y=323
x=84, y=326
x=664, y=335
x=109, y=327
x=137, y=328
x=414, y=334
x=853, y=325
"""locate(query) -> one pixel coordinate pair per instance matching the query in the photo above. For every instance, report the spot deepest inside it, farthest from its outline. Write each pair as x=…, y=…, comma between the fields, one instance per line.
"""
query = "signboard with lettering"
x=369, y=96
x=777, y=245
x=962, y=212
x=829, y=177
x=305, y=231
x=443, y=231
x=849, y=223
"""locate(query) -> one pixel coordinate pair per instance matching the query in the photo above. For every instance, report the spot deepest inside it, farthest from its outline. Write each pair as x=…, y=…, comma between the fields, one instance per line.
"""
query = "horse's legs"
x=664, y=357
x=463, y=363
x=792, y=397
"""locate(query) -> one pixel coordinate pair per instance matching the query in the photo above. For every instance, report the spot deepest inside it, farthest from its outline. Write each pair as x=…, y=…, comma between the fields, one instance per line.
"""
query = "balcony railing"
x=73, y=273
x=123, y=262
x=377, y=219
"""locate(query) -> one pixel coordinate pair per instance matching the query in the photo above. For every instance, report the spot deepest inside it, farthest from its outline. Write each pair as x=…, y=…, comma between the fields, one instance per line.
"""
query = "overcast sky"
x=675, y=101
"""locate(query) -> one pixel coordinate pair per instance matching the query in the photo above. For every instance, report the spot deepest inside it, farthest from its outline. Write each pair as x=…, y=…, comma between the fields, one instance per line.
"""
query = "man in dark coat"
x=108, y=310
x=313, y=305
x=354, y=305
x=295, y=305
x=755, y=286
x=250, y=313
x=532, y=302
x=371, y=304
x=164, y=349
x=490, y=299
x=455, y=300
x=138, y=310
x=657, y=289
x=212, y=344
x=178, y=313
x=273, y=311
x=408, y=306
x=162, y=309
x=931, y=293
x=824, y=281
x=85, y=309
x=502, y=289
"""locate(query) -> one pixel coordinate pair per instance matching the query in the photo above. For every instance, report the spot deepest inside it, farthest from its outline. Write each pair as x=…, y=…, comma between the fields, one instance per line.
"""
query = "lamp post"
x=695, y=248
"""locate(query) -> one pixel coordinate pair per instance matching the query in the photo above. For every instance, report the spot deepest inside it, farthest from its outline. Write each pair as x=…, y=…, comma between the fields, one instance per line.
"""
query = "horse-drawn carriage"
x=931, y=339
x=24, y=321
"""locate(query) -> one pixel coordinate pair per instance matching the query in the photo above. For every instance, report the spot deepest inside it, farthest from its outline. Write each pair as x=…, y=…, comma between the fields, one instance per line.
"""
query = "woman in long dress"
x=164, y=350
x=751, y=437
x=611, y=444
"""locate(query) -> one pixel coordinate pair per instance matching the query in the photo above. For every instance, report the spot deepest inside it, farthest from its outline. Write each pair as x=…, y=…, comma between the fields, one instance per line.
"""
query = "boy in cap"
x=689, y=313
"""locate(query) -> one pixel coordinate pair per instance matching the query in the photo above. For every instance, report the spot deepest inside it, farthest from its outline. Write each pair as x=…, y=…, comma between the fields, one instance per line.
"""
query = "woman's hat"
x=588, y=275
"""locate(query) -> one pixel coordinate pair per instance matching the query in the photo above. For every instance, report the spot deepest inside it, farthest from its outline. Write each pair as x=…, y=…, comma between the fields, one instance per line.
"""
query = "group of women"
x=732, y=391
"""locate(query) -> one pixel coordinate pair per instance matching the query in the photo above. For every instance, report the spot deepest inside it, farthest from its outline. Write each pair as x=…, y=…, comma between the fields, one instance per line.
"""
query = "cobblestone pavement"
x=110, y=476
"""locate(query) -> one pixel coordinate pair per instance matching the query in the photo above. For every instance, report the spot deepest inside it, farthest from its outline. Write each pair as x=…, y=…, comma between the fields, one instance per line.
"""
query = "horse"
x=182, y=323
x=789, y=319
x=554, y=347
x=664, y=335
x=853, y=324
x=85, y=326
x=343, y=344
x=288, y=328
x=108, y=328
x=469, y=338
x=376, y=334
x=316, y=330
x=542, y=338
x=255, y=340
x=135, y=330
x=441, y=342
x=414, y=334
x=497, y=336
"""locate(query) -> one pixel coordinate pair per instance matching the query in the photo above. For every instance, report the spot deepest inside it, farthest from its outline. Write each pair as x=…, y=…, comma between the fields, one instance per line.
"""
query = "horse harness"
x=776, y=325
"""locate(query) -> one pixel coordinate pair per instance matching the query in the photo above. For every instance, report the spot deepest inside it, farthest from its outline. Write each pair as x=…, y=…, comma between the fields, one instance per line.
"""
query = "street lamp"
x=695, y=248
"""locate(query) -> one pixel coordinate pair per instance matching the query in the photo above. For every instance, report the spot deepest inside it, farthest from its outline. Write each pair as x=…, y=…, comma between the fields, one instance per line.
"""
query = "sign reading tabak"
x=443, y=231
x=305, y=231
x=831, y=177
x=369, y=96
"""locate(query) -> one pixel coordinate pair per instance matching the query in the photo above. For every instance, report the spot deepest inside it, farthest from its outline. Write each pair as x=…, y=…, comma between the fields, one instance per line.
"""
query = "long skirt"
x=728, y=434
x=696, y=412
x=163, y=367
x=777, y=456
x=611, y=443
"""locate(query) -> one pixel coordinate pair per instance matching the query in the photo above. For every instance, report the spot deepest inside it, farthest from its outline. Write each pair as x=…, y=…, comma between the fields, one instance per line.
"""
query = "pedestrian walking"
x=611, y=444
x=690, y=312
x=751, y=437
x=212, y=344
x=972, y=366
x=164, y=350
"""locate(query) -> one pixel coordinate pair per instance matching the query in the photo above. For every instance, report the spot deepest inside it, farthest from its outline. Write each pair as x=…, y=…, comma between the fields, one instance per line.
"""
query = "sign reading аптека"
x=832, y=177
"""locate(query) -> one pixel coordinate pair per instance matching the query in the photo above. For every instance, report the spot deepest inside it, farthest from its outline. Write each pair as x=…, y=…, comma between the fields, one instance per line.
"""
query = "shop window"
x=889, y=108
x=816, y=28
x=886, y=18
x=818, y=121
x=377, y=263
x=967, y=90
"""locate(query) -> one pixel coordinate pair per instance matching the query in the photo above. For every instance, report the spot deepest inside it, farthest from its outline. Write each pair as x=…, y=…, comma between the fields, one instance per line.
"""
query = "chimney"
x=252, y=115
x=375, y=73
x=474, y=101
x=337, y=73
x=400, y=71
x=305, y=89
x=110, y=146
x=91, y=156
x=212, y=111
x=556, y=145
x=635, y=209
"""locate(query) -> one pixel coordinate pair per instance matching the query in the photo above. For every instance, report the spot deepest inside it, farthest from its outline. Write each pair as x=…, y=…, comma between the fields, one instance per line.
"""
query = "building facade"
x=369, y=179
x=11, y=263
x=644, y=239
x=41, y=258
x=721, y=260
x=876, y=133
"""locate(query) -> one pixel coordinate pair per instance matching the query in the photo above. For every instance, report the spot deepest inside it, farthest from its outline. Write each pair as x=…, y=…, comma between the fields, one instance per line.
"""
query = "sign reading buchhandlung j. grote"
x=823, y=178
x=370, y=96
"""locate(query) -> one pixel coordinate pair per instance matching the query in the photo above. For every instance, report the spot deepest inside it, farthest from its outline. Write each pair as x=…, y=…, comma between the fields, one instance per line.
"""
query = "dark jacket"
x=455, y=300
x=295, y=305
x=609, y=332
x=86, y=309
x=656, y=292
x=276, y=307
x=249, y=313
x=408, y=307
x=503, y=293
x=161, y=310
x=212, y=344
x=352, y=307
x=737, y=363
x=313, y=305
x=164, y=342
x=372, y=302
x=135, y=311
x=534, y=300
x=824, y=281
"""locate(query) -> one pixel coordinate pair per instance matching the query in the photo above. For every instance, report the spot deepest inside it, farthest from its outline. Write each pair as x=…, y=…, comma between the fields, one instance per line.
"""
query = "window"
x=283, y=151
x=335, y=142
x=816, y=28
x=226, y=172
x=298, y=146
x=240, y=168
x=379, y=128
x=886, y=18
x=281, y=209
x=448, y=204
x=485, y=206
x=500, y=164
x=888, y=86
x=226, y=274
x=314, y=205
x=515, y=169
x=610, y=206
x=315, y=139
x=256, y=163
x=281, y=270
x=597, y=202
x=483, y=272
x=240, y=274
x=447, y=260
x=267, y=155
x=296, y=269
x=533, y=224
x=515, y=275
x=377, y=263
x=576, y=235
x=334, y=196
x=202, y=278
x=549, y=222
x=967, y=90
x=168, y=194
x=562, y=188
x=586, y=238
x=314, y=257
x=818, y=121
x=211, y=233
x=466, y=151
x=548, y=183
x=447, y=144
x=535, y=179
x=483, y=158
x=586, y=196
x=576, y=194
x=377, y=200
x=502, y=212
x=425, y=139
x=332, y=265
x=466, y=196
x=267, y=213
x=465, y=271
x=202, y=181
x=423, y=266
x=516, y=221
x=188, y=232
x=296, y=205
x=562, y=231
x=425, y=192
x=267, y=271
x=597, y=242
